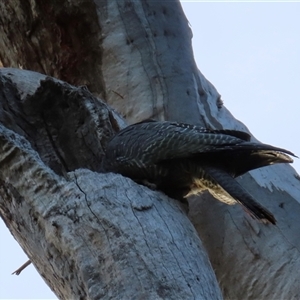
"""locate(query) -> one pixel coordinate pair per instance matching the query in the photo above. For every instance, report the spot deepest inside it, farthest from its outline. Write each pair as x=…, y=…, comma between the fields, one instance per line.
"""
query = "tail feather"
x=235, y=190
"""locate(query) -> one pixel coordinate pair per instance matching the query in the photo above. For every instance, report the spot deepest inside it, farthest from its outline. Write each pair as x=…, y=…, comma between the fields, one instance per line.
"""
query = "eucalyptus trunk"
x=137, y=57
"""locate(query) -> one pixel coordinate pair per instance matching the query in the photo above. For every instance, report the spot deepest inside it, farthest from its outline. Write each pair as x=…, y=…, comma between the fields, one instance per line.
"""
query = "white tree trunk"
x=90, y=235
x=251, y=260
x=138, y=56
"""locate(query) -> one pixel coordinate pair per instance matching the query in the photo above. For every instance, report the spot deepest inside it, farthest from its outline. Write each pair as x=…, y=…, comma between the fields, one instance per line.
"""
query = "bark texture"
x=137, y=55
x=102, y=235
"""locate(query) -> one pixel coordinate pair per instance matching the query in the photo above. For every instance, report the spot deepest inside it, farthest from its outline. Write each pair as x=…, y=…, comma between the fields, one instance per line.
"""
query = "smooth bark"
x=90, y=235
x=137, y=55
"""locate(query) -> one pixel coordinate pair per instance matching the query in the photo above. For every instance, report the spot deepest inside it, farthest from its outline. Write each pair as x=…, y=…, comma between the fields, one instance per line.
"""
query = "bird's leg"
x=148, y=184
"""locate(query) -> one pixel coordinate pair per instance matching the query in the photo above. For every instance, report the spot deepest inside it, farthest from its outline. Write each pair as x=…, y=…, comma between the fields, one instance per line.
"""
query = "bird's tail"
x=235, y=190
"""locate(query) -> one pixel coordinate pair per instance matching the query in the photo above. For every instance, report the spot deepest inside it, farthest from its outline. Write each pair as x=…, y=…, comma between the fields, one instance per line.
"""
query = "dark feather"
x=182, y=159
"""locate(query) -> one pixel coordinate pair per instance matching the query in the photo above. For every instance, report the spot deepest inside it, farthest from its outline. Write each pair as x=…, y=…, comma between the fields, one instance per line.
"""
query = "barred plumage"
x=182, y=159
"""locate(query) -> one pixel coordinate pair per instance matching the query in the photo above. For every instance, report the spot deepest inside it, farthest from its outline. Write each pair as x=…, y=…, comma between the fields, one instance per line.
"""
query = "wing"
x=141, y=150
x=159, y=141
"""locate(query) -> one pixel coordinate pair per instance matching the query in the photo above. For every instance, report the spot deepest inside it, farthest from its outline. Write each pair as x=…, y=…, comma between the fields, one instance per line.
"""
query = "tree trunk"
x=102, y=235
x=137, y=55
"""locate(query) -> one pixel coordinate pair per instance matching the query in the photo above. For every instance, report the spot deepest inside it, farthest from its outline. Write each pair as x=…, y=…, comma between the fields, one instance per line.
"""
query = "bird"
x=183, y=159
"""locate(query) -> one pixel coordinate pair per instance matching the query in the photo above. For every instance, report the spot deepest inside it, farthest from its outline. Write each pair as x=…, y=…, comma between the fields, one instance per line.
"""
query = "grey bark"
x=140, y=60
x=89, y=235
